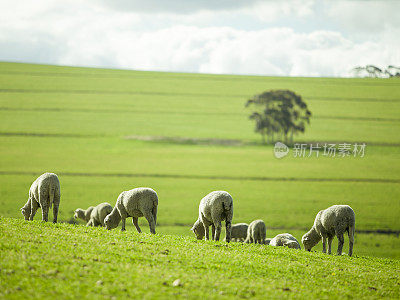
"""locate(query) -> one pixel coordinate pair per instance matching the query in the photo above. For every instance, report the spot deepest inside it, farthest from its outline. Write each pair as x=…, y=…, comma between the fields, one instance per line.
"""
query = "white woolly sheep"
x=285, y=239
x=214, y=208
x=238, y=232
x=256, y=232
x=99, y=213
x=335, y=220
x=135, y=203
x=267, y=241
x=44, y=192
x=83, y=214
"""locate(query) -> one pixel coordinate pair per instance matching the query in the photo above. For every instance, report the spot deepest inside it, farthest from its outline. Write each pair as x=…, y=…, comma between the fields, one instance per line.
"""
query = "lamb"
x=332, y=221
x=214, y=208
x=256, y=232
x=99, y=213
x=285, y=239
x=239, y=232
x=44, y=192
x=83, y=214
x=135, y=203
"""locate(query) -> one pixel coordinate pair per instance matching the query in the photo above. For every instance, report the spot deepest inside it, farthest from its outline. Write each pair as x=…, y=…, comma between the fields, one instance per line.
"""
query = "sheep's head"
x=25, y=212
x=292, y=245
x=198, y=230
x=310, y=239
x=109, y=222
x=79, y=213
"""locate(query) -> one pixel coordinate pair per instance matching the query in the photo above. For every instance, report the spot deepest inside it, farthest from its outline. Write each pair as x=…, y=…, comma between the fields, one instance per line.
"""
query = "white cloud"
x=176, y=6
x=72, y=33
x=366, y=17
x=270, y=11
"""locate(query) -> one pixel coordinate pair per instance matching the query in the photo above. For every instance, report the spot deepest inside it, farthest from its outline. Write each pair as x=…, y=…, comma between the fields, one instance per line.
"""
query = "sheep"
x=267, y=241
x=44, y=192
x=256, y=232
x=238, y=232
x=285, y=239
x=332, y=221
x=215, y=207
x=135, y=203
x=99, y=213
x=83, y=214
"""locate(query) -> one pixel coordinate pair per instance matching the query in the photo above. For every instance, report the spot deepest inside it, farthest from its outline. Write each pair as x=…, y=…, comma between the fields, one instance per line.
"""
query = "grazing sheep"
x=99, y=213
x=83, y=214
x=214, y=208
x=44, y=192
x=332, y=221
x=238, y=232
x=285, y=239
x=256, y=232
x=135, y=203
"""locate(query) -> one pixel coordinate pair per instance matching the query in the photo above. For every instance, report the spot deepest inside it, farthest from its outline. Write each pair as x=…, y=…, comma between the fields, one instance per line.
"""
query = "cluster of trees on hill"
x=375, y=72
x=279, y=114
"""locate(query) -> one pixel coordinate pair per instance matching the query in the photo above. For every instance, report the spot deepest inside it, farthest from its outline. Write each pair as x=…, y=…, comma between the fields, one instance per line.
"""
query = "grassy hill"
x=104, y=131
x=39, y=260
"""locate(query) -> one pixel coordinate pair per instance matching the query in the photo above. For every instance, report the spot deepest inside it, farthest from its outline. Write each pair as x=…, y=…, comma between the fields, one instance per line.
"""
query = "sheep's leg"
x=135, y=222
x=45, y=212
x=217, y=231
x=213, y=231
x=341, y=242
x=90, y=223
x=324, y=244
x=255, y=238
x=34, y=207
x=123, y=215
x=44, y=204
x=152, y=224
x=206, y=231
x=123, y=219
x=330, y=239
x=56, y=204
x=228, y=229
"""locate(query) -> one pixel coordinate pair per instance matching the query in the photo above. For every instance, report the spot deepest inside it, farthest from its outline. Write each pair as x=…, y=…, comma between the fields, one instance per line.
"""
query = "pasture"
x=104, y=131
x=66, y=261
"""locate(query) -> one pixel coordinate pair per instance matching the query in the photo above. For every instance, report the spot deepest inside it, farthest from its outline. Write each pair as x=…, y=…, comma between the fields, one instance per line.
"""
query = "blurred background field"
x=85, y=125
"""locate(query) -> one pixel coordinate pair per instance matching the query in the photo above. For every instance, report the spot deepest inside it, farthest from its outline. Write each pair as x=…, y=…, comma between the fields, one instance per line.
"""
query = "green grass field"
x=42, y=260
x=104, y=131
x=74, y=122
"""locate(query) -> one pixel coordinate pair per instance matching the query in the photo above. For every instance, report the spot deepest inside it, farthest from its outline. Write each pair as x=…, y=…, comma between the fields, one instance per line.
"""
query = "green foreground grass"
x=41, y=260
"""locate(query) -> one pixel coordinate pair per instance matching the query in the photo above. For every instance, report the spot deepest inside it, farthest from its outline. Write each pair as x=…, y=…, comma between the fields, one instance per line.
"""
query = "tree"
x=278, y=112
x=393, y=71
x=375, y=72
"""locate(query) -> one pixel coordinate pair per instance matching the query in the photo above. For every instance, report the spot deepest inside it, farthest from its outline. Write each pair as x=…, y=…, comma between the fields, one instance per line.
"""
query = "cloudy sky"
x=295, y=37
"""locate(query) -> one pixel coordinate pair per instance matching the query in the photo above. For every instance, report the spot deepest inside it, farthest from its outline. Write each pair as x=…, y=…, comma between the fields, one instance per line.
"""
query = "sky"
x=279, y=38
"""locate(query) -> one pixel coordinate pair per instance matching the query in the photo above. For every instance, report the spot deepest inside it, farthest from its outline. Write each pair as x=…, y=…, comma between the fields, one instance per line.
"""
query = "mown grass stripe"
x=136, y=74
x=115, y=92
x=185, y=140
x=209, y=177
x=52, y=135
x=119, y=111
